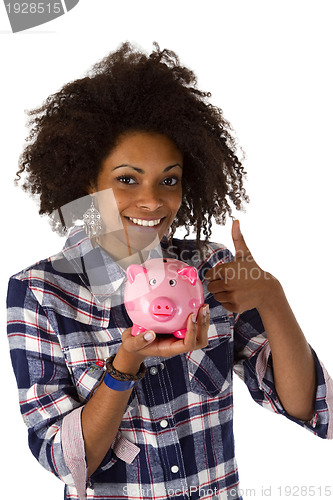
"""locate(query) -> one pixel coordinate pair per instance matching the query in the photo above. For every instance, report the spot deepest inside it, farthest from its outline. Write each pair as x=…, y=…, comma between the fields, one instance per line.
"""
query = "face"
x=144, y=171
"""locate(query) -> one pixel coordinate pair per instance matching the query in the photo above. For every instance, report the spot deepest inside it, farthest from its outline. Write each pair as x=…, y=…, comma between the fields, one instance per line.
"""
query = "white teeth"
x=142, y=222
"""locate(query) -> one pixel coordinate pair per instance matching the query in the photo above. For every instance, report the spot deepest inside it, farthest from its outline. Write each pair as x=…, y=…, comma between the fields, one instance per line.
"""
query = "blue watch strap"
x=118, y=385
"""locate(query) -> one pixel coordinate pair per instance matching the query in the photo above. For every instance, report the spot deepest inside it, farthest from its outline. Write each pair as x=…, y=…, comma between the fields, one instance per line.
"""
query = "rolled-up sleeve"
x=73, y=448
x=48, y=399
x=253, y=364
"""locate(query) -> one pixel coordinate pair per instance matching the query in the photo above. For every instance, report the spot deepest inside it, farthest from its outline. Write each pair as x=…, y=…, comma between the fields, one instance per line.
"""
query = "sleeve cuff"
x=124, y=449
x=73, y=450
x=329, y=400
x=322, y=422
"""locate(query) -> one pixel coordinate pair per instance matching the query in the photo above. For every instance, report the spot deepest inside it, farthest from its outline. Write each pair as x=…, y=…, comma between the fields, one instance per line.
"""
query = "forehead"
x=144, y=148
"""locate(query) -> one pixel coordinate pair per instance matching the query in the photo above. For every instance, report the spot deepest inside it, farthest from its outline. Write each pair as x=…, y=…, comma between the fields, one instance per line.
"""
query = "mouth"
x=145, y=222
x=162, y=317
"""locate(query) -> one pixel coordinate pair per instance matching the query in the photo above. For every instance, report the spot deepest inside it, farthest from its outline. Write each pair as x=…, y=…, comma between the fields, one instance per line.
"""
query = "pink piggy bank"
x=160, y=295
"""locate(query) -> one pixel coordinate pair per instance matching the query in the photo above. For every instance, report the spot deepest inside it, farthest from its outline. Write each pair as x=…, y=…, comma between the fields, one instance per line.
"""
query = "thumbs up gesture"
x=241, y=284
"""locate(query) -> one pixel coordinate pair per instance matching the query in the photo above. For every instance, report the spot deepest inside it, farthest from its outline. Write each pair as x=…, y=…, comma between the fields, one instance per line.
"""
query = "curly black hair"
x=76, y=128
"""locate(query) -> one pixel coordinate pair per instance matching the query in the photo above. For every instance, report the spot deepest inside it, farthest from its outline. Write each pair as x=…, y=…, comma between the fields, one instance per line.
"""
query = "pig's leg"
x=179, y=334
x=136, y=329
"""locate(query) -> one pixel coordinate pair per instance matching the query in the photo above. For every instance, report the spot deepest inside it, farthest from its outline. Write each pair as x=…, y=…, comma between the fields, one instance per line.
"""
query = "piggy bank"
x=161, y=294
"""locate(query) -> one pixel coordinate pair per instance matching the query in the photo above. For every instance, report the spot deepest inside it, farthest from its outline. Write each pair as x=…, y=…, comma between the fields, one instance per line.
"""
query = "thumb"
x=136, y=343
x=239, y=243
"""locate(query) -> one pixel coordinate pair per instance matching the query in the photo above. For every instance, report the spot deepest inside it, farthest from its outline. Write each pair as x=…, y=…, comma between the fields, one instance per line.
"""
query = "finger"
x=132, y=344
x=231, y=272
x=197, y=333
x=191, y=332
x=203, y=315
x=202, y=326
x=215, y=273
x=229, y=302
x=230, y=307
x=224, y=297
x=241, y=248
x=218, y=286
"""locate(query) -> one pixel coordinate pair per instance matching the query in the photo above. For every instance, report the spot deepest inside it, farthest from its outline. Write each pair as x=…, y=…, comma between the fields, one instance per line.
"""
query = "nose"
x=149, y=198
x=162, y=308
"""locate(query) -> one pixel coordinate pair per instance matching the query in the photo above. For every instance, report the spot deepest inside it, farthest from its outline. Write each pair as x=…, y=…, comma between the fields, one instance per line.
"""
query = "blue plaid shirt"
x=66, y=316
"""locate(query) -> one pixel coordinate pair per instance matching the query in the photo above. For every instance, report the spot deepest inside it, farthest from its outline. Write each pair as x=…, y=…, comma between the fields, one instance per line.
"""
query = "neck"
x=119, y=248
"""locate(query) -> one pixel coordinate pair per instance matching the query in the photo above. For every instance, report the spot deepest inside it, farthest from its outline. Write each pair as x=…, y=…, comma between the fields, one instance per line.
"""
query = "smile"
x=144, y=222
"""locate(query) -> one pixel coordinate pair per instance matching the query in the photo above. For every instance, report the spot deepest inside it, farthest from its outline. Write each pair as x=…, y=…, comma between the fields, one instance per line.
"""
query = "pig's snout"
x=162, y=308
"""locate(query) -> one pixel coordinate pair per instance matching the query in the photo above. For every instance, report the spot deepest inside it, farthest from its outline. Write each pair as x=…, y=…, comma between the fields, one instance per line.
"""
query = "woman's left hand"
x=241, y=284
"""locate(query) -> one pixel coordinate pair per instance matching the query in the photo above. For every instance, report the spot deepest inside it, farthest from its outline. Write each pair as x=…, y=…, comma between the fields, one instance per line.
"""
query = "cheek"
x=114, y=198
x=109, y=206
x=121, y=202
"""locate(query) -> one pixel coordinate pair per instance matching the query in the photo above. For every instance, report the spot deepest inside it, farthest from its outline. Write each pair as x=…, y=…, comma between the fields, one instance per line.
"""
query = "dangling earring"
x=92, y=222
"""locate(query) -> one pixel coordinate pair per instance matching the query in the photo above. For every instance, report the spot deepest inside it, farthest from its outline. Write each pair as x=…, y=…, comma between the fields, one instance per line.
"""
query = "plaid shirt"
x=65, y=317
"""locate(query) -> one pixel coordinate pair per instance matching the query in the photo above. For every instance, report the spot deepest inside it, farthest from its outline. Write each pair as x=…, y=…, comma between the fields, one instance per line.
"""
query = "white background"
x=268, y=65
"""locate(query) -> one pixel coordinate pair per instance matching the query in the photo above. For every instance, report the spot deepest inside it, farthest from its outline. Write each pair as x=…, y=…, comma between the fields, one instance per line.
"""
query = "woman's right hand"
x=133, y=350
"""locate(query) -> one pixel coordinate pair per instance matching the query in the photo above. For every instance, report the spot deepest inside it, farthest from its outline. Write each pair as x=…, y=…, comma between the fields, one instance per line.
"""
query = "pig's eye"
x=152, y=282
x=172, y=282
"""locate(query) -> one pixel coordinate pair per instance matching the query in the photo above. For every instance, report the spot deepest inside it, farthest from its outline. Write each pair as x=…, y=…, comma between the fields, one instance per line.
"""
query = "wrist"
x=128, y=362
x=118, y=385
x=273, y=296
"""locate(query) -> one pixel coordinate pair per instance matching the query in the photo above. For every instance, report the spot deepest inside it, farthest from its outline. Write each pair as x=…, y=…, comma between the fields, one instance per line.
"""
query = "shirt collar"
x=96, y=268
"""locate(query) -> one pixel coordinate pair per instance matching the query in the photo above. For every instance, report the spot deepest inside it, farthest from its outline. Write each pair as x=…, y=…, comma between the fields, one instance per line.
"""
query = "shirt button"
x=164, y=424
x=174, y=469
x=153, y=370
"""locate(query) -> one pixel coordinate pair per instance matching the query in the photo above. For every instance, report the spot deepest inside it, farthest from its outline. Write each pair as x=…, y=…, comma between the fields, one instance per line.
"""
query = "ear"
x=189, y=272
x=133, y=270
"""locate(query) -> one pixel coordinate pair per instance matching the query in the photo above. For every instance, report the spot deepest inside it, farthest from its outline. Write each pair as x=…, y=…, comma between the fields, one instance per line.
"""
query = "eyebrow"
x=141, y=171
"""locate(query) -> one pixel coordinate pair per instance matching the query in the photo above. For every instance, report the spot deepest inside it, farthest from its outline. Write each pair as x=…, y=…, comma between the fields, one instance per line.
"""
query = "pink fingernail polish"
x=148, y=336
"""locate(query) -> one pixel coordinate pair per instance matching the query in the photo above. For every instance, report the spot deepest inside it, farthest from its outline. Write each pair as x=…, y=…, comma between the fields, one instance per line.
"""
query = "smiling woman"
x=135, y=150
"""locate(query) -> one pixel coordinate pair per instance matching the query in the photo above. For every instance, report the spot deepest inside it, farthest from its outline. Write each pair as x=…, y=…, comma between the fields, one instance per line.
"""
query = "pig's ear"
x=189, y=272
x=133, y=270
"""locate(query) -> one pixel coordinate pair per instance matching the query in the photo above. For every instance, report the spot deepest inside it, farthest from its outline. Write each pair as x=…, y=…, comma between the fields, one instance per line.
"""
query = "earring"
x=92, y=221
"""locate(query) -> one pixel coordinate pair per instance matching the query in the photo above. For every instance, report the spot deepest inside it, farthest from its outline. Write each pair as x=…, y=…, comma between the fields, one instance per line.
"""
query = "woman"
x=135, y=150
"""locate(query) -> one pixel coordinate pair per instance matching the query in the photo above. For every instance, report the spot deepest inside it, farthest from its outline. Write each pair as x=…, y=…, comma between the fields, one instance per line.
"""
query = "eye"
x=126, y=179
x=170, y=181
x=152, y=282
x=172, y=282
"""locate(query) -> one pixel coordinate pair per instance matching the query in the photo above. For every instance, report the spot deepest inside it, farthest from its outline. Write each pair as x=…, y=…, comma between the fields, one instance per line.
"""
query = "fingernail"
x=205, y=310
x=149, y=336
x=194, y=319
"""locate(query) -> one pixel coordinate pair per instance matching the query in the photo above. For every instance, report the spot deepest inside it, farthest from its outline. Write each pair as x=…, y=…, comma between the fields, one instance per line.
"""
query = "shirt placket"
x=158, y=384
